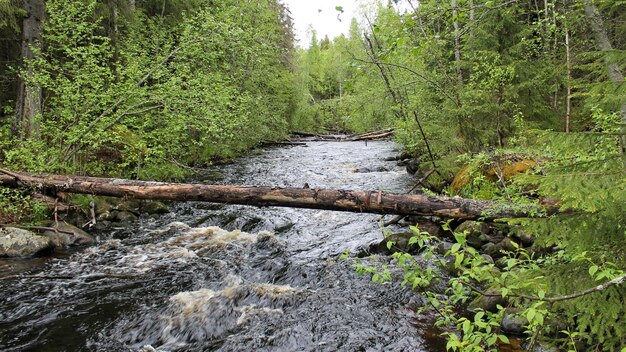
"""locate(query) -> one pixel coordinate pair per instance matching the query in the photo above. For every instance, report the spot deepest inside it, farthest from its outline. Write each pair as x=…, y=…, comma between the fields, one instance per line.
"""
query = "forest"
x=516, y=102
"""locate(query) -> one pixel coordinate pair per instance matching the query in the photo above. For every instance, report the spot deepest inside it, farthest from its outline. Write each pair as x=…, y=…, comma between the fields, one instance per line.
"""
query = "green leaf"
x=504, y=339
x=339, y=8
x=592, y=270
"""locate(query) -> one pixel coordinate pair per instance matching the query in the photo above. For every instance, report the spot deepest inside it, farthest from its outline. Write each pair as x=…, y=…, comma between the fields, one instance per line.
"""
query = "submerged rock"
x=16, y=242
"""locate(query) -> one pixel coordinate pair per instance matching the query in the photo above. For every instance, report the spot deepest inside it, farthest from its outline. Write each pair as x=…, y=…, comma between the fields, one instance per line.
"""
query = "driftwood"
x=378, y=202
x=343, y=137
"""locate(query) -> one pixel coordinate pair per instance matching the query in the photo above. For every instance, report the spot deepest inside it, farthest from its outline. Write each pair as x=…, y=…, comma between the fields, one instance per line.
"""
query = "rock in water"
x=68, y=235
x=155, y=207
x=16, y=242
x=413, y=166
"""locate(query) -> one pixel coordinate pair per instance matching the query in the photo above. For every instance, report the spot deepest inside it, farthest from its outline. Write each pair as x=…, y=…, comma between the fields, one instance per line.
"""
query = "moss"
x=496, y=169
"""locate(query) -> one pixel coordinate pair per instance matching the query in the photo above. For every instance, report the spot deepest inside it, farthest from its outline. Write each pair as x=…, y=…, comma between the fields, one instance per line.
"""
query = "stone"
x=513, y=322
x=129, y=205
x=68, y=235
x=508, y=245
x=492, y=249
x=401, y=243
x=474, y=227
x=488, y=302
x=106, y=216
x=443, y=247
x=155, y=207
x=125, y=216
x=16, y=242
x=487, y=258
x=413, y=166
x=526, y=239
x=102, y=206
x=476, y=239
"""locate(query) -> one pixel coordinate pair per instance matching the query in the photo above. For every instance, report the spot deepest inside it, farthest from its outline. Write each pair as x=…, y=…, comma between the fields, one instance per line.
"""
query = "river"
x=226, y=277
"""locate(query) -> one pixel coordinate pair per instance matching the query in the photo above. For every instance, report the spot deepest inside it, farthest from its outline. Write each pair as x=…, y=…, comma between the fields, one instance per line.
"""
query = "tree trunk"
x=378, y=202
x=613, y=70
x=568, y=98
x=457, y=42
x=29, y=96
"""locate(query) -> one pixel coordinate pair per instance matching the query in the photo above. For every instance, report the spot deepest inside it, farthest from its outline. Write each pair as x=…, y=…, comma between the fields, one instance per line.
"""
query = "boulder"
x=125, y=216
x=488, y=302
x=68, y=235
x=473, y=227
x=16, y=242
x=154, y=207
x=102, y=206
x=508, y=245
x=129, y=205
x=106, y=216
x=443, y=247
x=401, y=243
x=413, y=166
x=513, y=322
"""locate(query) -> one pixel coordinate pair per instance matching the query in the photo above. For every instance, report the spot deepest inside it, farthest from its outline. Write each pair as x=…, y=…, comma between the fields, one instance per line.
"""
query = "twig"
x=432, y=159
x=421, y=180
x=396, y=219
x=617, y=281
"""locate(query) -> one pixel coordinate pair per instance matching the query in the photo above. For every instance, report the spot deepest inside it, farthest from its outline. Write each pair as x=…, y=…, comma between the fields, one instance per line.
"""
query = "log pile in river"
x=330, y=199
x=345, y=138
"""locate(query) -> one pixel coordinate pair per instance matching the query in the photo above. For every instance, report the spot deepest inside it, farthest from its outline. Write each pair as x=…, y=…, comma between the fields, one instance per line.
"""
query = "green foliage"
x=16, y=207
x=144, y=94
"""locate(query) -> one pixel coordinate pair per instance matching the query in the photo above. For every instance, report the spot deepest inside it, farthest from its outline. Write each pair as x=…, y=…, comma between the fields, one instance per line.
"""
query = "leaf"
x=339, y=8
x=541, y=294
x=530, y=314
x=504, y=339
x=592, y=270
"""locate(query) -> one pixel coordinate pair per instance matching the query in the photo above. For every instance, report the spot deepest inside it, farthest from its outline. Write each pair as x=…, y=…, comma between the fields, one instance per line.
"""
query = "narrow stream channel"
x=227, y=278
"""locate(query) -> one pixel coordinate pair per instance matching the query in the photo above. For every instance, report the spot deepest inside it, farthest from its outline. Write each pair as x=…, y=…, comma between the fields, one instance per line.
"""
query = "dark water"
x=228, y=278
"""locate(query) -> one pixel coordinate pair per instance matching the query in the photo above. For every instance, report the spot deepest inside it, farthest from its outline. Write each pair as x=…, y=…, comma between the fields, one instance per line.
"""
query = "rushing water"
x=226, y=277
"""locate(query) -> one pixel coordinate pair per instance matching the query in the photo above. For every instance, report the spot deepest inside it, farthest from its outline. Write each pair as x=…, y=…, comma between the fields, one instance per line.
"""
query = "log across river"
x=226, y=277
x=314, y=198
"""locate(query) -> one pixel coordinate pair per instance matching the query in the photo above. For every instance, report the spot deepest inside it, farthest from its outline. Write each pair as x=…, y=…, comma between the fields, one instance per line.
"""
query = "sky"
x=323, y=16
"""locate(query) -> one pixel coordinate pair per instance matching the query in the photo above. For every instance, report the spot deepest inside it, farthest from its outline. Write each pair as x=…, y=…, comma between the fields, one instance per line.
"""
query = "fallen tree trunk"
x=330, y=199
x=314, y=137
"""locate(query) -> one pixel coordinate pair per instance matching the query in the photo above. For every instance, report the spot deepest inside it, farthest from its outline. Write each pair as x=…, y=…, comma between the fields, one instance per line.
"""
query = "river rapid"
x=226, y=277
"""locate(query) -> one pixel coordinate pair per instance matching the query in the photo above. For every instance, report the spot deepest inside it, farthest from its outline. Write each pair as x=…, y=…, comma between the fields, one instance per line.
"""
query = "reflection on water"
x=229, y=278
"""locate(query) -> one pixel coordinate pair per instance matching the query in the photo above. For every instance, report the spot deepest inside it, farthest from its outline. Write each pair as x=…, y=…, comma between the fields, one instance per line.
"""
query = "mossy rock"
x=488, y=302
x=502, y=168
x=16, y=242
x=154, y=207
x=125, y=217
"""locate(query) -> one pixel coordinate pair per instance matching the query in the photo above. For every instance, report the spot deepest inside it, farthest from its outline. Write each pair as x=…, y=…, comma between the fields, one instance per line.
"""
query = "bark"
x=29, y=96
x=613, y=70
x=378, y=202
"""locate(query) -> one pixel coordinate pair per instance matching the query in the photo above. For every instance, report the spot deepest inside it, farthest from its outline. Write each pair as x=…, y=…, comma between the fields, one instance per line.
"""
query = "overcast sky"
x=321, y=14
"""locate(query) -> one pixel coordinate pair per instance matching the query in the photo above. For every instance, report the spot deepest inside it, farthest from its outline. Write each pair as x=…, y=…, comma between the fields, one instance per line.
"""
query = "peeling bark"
x=378, y=202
